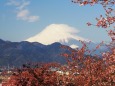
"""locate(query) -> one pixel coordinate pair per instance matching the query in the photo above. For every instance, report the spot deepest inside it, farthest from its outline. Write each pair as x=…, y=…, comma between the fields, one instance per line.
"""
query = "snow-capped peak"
x=56, y=33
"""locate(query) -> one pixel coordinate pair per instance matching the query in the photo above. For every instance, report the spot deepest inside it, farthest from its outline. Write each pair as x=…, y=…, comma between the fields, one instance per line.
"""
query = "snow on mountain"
x=74, y=46
x=57, y=33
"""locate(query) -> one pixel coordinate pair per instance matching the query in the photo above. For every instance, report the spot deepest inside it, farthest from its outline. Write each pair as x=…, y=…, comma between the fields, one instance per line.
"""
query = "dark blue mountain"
x=18, y=53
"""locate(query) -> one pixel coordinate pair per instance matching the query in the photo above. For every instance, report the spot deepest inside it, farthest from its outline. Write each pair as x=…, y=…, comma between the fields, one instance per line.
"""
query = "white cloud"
x=22, y=13
x=13, y=2
x=23, y=5
x=56, y=33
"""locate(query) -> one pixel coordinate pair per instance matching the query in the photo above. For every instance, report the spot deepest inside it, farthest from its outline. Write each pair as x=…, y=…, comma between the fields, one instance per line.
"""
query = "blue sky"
x=21, y=19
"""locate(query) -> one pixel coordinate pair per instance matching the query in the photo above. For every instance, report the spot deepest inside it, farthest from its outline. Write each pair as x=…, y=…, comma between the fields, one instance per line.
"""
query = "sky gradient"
x=22, y=19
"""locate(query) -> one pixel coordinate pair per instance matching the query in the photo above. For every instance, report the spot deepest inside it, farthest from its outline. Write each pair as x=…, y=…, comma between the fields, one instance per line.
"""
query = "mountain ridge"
x=18, y=53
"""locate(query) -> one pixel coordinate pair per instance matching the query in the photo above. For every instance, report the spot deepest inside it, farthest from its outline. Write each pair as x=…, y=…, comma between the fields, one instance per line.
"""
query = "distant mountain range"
x=18, y=53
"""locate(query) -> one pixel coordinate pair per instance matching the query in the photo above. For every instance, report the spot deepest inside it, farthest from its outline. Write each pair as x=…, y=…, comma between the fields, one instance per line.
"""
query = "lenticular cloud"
x=56, y=33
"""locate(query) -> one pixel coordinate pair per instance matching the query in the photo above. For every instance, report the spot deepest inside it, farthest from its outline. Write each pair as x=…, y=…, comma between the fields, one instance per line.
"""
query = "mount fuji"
x=61, y=33
x=64, y=34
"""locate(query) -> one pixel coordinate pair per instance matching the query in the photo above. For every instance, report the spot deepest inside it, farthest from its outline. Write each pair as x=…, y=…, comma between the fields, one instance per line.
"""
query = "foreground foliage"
x=80, y=71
